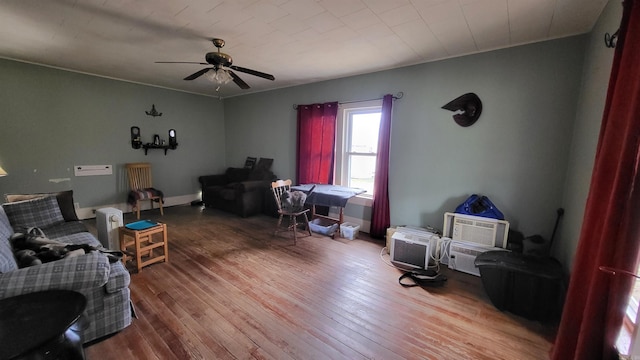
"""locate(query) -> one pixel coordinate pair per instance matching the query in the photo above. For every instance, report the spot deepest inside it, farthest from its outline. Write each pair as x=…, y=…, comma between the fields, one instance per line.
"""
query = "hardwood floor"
x=234, y=291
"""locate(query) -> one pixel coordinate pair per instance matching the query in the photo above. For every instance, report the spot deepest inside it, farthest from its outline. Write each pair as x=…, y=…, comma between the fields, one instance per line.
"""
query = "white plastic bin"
x=349, y=230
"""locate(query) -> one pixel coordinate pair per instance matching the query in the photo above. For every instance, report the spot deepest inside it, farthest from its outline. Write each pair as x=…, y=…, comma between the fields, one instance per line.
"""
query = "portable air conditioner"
x=108, y=220
x=462, y=256
x=476, y=229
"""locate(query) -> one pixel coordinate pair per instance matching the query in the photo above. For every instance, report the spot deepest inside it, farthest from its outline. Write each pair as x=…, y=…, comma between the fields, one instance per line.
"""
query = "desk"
x=327, y=195
x=39, y=325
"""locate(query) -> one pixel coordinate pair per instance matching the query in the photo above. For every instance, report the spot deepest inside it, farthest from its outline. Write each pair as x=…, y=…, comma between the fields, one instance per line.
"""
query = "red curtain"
x=596, y=301
x=316, y=143
x=380, y=215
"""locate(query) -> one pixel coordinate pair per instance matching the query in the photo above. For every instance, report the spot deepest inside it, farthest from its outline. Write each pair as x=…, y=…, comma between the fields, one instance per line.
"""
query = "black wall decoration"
x=610, y=40
x=136, y=143
x=153, y=112
x=467, y=108
x=173, y=141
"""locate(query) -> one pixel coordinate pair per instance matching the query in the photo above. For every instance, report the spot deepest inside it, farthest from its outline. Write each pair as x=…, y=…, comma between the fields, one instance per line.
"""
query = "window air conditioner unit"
x=410, y=251
x=462, y=256
x=414, y=247
x=476, y=229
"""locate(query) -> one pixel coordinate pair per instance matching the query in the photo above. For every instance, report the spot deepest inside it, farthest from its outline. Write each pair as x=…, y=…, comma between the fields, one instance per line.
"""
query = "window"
x=628, y=342
x=357, y=144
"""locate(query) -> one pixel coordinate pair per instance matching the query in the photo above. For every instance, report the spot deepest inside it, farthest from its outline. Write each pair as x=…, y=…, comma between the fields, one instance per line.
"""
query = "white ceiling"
x=298, y=41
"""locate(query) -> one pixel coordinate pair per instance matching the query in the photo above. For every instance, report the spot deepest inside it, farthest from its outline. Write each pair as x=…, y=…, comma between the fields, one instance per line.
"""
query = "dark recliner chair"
x=239, y=190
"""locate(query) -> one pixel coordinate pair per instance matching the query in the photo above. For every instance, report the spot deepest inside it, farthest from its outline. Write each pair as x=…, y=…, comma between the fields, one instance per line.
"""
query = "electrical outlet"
x=76, y=205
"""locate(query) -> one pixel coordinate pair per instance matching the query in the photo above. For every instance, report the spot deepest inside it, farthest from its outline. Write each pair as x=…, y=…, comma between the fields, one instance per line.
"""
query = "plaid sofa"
x=105, y=285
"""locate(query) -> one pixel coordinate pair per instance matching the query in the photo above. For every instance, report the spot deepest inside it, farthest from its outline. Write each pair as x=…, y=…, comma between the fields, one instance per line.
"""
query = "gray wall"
x=516, y=154
x=531, y=151
x=595, y=81
x=52, y=120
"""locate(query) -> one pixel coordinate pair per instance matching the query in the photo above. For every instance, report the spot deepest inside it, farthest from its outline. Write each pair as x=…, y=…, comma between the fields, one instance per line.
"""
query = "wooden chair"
x=278, y=188
x=141, y=187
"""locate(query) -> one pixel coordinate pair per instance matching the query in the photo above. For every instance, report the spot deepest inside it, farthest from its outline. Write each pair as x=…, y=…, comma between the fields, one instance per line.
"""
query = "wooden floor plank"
x=232, y=290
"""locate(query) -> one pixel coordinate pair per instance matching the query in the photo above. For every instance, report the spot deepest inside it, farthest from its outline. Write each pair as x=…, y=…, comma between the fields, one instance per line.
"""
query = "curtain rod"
x=399, y=95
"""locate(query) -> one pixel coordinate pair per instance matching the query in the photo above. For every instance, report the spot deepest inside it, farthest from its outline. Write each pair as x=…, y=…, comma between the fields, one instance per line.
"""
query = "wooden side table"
x=145, y=245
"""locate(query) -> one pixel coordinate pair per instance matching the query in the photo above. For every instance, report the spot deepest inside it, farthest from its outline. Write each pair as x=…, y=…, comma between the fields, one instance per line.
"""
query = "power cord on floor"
x=384, y=256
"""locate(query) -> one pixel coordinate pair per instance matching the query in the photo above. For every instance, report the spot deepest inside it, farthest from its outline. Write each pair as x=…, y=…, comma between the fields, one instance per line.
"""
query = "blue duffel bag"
x=479, y=206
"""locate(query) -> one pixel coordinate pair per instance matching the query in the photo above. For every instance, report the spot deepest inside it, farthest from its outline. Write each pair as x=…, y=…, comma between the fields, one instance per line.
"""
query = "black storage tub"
x=531, y=287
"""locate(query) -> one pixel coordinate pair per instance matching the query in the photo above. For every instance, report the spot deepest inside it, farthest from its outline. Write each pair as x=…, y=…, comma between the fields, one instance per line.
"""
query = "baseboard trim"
x=90, y=212
x=365, y=225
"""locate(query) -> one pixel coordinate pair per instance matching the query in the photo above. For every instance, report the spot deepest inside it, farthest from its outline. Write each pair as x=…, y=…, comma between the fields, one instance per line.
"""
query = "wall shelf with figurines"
x=158, y=143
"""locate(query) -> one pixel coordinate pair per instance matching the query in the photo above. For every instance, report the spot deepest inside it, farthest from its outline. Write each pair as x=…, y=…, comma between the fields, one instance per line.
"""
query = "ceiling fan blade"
x=238, y=81
x=253, y=72
x=197, y=74
x=180, y=62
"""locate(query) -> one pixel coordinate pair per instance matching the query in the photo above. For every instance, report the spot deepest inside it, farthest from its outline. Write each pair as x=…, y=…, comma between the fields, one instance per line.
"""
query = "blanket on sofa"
x=34, y=248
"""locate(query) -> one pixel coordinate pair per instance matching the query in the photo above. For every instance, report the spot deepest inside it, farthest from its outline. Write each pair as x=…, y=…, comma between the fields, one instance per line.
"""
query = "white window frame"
x=628, y=342
x=341, y=168
x=633, y=317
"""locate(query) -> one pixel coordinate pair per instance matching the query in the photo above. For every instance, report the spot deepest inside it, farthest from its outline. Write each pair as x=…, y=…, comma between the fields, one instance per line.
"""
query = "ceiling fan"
x=222, y=66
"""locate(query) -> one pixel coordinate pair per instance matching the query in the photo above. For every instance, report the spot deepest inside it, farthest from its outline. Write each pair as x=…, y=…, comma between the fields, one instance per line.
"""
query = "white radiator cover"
x=108, y=220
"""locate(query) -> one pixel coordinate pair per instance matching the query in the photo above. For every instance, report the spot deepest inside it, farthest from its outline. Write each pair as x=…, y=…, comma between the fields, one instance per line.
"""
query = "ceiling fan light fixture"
x=221, y=72
x=219, y=76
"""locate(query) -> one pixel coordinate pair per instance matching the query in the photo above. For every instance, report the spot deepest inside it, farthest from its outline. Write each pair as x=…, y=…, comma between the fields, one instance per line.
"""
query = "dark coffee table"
x=39, y=325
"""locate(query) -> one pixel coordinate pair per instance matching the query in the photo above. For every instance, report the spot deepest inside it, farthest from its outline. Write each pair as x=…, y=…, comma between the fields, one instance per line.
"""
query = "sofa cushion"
x=66, y=228
x=41, y=212
x=264, y=164
x=228, y=193
x=80, y=238
x=237, y=174
x=7, y=261
x=5, y=226
x=65, y=201
x=262, y=170
x=261, y=175
x=250, y=162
